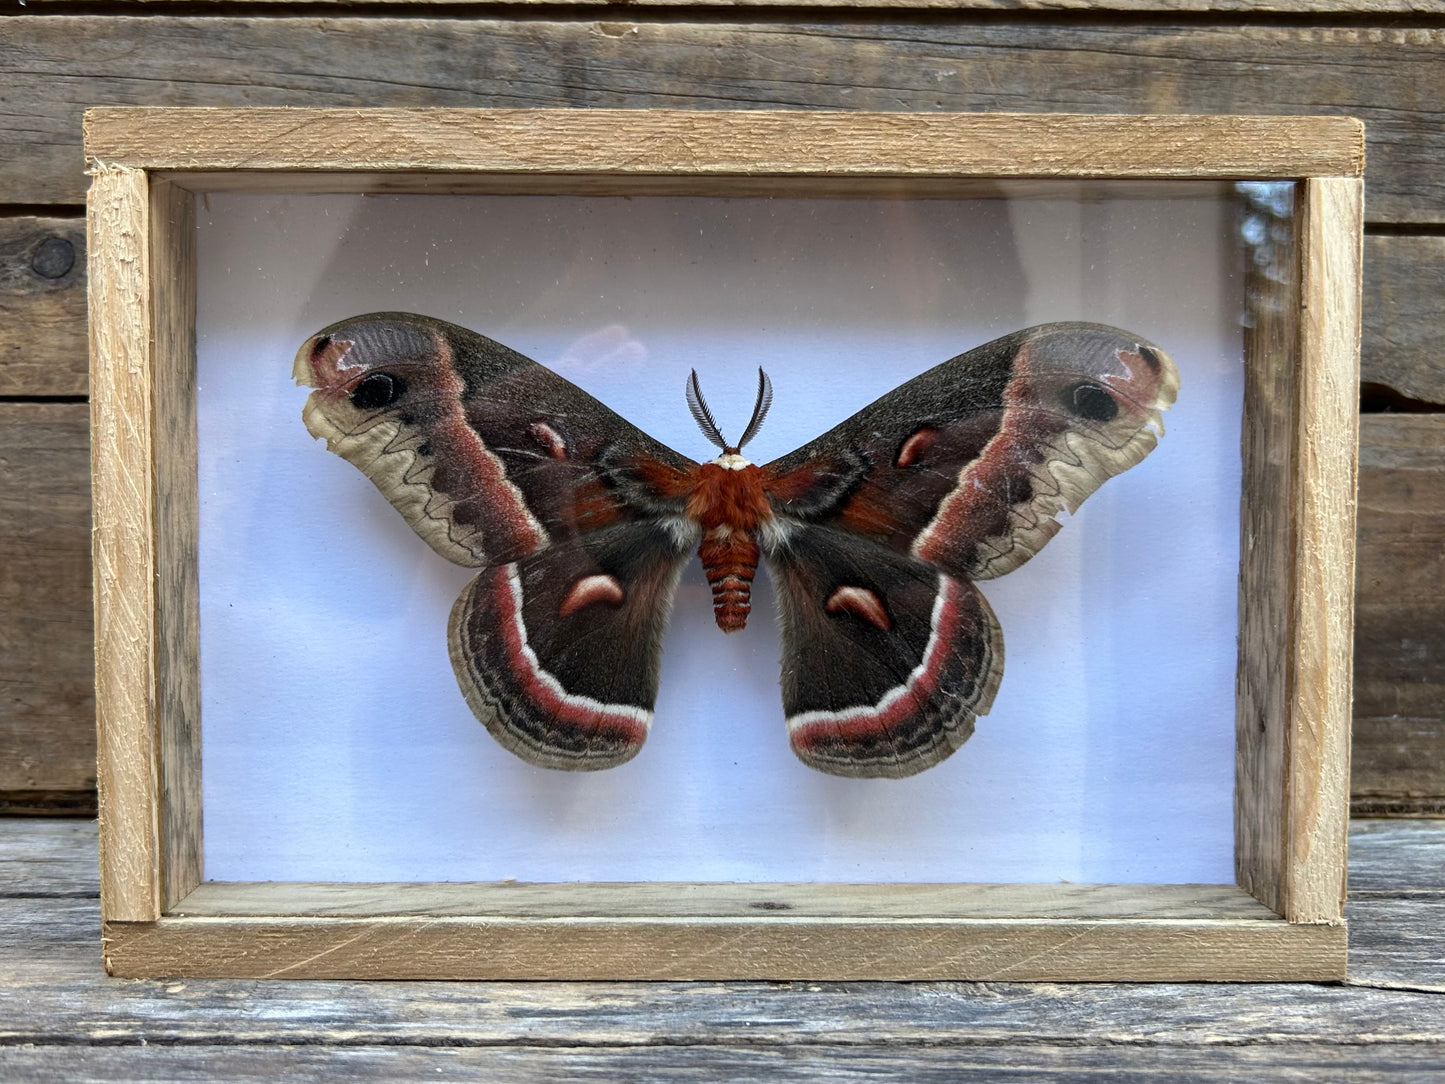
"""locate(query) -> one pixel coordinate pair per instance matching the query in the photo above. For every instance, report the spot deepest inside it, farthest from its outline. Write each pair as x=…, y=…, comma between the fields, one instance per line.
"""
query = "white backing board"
x=336, y=744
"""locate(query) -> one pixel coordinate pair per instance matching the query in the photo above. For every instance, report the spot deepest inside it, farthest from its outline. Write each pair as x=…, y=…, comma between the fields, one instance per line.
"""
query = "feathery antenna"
x=760, y=408
x=705, y=421
x=701, y=414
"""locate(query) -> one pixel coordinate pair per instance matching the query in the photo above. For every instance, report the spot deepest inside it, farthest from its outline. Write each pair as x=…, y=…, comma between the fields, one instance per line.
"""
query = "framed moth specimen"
x=582, y=523
x=948, y=450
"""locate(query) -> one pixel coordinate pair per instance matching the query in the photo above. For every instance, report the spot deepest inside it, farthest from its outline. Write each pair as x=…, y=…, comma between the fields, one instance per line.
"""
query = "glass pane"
x=337, y=745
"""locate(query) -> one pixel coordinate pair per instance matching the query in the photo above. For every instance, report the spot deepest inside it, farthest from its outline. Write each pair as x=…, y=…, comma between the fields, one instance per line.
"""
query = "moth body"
x=729, y=504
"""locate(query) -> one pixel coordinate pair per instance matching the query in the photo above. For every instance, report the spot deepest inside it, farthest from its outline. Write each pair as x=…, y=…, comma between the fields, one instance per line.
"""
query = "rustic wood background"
x=1380, y=60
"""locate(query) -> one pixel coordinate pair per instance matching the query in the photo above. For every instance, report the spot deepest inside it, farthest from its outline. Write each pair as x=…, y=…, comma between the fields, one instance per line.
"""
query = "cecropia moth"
x=874, y=533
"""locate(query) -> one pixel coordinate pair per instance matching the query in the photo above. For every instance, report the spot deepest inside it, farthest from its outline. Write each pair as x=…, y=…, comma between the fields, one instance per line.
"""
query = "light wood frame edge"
x=123, y=493
x=143, y=463
x=150, y=776
x=1317, y=766
x=763, y=948
x=1297, y=564
x=742, y=143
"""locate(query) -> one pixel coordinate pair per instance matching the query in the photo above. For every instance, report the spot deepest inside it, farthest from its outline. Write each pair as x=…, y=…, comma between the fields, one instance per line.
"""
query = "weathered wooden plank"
x=1399, y=714
x=47, y=803
x=945, y=1061
x=48, y=857
x=662, y=899
x=774, y=948
x=52, y=987
x=42, y=311
x=1397, y=857
x=57, y=991
x=727, y=143
x=1390, y=78
x=1398, y=758
x=42, y=306
x=51, y=984
x=123, y=487
x=47, y=714
x=1403, y=345
x=1323, y=548
x=1400, y=943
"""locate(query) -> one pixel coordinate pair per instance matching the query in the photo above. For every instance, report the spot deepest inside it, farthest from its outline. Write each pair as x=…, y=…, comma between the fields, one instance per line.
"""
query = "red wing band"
x=1065, y=432
x=524, y=705
x=922, y=720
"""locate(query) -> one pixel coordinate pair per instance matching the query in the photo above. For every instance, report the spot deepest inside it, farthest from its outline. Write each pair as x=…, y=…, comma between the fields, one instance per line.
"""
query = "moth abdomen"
x=730, y=561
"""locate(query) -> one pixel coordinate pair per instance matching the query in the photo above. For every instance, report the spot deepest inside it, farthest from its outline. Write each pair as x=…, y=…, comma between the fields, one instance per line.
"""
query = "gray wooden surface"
x=61, y=1019
x=1390, y=77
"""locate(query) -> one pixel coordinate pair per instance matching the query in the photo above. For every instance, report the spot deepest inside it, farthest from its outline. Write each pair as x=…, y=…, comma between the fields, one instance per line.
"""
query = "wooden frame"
x=1284, y=920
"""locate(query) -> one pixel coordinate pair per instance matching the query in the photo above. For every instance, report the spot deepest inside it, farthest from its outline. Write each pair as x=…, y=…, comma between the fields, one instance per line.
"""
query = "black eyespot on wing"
x=377, y=390
x=1150, y=356
x=1092, y=402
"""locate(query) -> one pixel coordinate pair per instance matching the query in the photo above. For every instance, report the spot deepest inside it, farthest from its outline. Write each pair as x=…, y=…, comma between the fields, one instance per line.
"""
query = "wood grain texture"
x=1400, y=612
x=53, y=986
x=124, y=490
x=1399, y=762
x=47, y=711
x=178, y=679
x=660, y=899
x=775, y=948
x=1403, y=938
x=48, y=803
x=1264, y=675
x=941, y=1062
x=744, y=143
x=811, y=186
x=1403, y=345
x=48, y=857
x=42, y=306
x=1388, y=77
x=1396, y=858
x=1323, y=546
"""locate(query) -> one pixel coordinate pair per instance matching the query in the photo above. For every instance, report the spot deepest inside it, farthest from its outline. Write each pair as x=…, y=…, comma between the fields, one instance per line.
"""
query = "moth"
x=874, y=534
